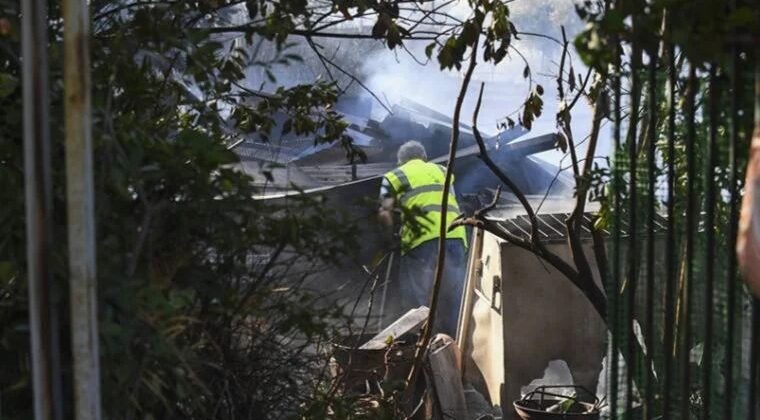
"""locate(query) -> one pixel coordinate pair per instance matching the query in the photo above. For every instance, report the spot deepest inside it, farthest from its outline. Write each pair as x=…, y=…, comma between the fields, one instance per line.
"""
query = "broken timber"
x=353, y=202
x=406, y=324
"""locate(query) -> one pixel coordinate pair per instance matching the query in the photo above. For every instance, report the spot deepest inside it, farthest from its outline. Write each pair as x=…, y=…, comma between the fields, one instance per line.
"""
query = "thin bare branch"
x=583, y=281
x=427, y=331
x=324, y=59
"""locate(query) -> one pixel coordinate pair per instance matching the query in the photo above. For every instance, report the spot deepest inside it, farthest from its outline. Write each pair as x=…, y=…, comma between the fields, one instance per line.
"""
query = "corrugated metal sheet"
x=552, y=226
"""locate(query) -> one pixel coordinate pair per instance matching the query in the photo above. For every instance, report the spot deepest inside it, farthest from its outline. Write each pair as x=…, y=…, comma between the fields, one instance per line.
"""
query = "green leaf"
x=447, y=54
x=513, y=30
x=561, y=142
x=7, y=271
x=571, y=79
x=380, y=28
x=429, y=49
x=743, y=16
x=469, y=33
x=394, y=36
x=8, y=84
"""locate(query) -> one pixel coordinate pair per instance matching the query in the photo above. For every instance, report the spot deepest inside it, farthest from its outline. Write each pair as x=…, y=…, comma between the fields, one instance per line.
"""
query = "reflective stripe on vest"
x=402, y=179
x=451, y=208
x=418, y=187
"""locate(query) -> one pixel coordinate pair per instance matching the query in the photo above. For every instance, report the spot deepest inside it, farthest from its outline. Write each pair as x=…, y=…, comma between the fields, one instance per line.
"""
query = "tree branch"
x=428, y=329
x=563, y=117
x=355, y=79
x=246, y=29
x=583, y=280
x=574, y=223
x=594, y=295
x=483, y=155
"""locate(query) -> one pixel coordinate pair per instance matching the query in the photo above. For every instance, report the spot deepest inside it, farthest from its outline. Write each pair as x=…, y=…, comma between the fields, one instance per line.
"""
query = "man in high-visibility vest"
x=416, y=189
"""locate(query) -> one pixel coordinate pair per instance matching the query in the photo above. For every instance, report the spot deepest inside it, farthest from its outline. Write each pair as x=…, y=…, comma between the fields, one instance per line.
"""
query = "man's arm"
x=385, y=212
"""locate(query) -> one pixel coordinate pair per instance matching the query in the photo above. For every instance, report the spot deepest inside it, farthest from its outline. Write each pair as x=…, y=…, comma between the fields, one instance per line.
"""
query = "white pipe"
x=81, y=215
x=43, y=307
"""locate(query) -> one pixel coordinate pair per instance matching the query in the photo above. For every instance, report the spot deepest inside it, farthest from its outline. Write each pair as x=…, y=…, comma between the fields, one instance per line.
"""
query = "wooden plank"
x=407, y=323
x=445, y=379
x=465, y=312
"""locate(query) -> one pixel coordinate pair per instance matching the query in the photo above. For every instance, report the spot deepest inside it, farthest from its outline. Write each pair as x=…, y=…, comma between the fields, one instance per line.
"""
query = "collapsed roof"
x=350, y=191
x=289, y=162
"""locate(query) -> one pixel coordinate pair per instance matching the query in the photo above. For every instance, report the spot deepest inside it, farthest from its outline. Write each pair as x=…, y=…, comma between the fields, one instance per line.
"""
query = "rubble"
x=289, y=162
x=408, y=323
x=445, y=379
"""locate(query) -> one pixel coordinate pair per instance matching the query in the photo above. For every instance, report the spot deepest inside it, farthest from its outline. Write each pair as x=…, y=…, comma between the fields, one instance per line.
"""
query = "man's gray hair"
x=411, y=150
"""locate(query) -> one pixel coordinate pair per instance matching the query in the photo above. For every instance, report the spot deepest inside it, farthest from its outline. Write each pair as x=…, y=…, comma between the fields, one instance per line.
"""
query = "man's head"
x=411, y=150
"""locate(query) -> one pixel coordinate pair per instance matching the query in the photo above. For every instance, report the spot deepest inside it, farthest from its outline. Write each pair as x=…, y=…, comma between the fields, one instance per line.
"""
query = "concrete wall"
x=538, y=317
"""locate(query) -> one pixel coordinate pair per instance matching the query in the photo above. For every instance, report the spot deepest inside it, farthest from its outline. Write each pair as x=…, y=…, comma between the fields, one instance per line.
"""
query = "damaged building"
x=519, y=315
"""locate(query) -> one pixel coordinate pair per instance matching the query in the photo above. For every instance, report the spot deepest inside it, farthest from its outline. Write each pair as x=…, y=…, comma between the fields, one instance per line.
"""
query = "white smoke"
x=397, y=75
x=406, y=73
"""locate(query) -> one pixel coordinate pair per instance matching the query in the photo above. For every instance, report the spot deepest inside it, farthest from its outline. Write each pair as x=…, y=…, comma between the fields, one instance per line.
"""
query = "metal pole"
x=692, y=218
x=651, y=142
x=615, y=305
x=735, y=76
x=81, y=217
x=384, y=296
x=46, y=370
x=633, y=257
x=670, y=250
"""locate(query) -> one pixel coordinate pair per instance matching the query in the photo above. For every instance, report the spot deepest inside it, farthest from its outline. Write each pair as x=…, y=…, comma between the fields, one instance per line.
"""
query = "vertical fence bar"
x=613, y=290
x=691, y=210
x=710, y=191
x=728, y=389
x=686, y=321
x=650, y=242
x=81, y=217
x=46, y=370
x=632, y=272
x=670, y=257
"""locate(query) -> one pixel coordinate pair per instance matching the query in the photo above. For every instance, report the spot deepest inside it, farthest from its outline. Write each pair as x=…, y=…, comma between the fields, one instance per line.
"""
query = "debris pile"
x=384, y=360
x=284, y=160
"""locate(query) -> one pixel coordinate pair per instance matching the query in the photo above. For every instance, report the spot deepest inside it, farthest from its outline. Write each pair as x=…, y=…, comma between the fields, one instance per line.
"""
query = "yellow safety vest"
x=418, y=186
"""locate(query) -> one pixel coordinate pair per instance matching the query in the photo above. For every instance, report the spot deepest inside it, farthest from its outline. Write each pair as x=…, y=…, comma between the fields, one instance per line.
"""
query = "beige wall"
x=539, y=317
x=486, y=327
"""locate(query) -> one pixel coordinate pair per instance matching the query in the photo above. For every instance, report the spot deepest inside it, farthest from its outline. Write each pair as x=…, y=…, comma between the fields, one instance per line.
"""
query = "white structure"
x=520, y=314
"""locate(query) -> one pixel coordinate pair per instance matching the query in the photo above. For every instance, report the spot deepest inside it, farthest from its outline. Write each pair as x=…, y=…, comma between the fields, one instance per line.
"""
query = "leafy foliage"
x=691, y=40
x=202, y=309
x=700, y=32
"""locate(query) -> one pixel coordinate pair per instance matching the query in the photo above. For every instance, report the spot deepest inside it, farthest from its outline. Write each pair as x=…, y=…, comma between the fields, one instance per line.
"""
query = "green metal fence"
x=684, y=336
